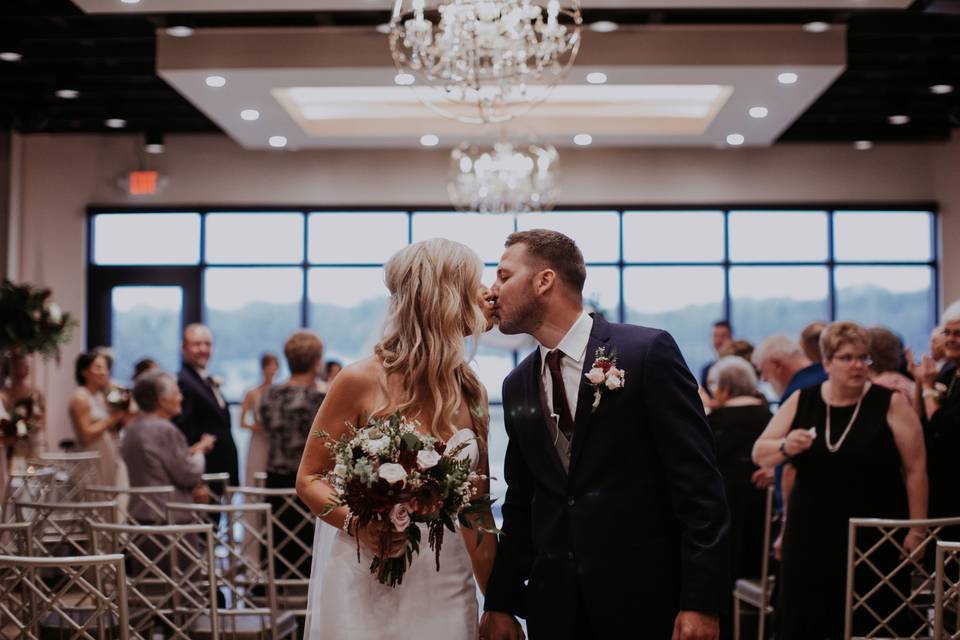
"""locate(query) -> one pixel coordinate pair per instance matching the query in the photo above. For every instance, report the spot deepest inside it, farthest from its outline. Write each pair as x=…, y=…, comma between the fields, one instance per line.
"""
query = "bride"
x=419, y=368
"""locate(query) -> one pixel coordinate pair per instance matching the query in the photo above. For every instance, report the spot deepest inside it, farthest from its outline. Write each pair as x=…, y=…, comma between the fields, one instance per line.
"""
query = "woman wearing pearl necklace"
x=858, y=450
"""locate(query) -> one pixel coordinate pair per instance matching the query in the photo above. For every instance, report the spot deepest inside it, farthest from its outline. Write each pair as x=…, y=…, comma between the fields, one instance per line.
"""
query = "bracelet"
x=348, y=523
x=783, y=448
x=930, y=393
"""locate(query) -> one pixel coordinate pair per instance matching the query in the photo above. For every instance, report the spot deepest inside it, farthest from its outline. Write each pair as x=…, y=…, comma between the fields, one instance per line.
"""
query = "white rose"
x=114, y=396
x=392, y=472
x=56, y=314
x=614, y=382
x=427, y=459
x=595, y=375
x=376, y=447
x=22, y=430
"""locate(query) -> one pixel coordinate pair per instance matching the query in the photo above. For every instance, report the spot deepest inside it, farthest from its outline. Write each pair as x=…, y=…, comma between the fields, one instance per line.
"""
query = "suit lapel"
x=204, y=390
x=599, y=337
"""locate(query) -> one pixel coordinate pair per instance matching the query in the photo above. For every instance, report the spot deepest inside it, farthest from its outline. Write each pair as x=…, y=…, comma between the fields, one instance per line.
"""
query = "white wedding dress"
x=347, y=601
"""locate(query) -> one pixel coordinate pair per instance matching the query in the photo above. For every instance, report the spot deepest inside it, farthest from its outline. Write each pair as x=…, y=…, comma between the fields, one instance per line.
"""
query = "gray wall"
x=4, y=199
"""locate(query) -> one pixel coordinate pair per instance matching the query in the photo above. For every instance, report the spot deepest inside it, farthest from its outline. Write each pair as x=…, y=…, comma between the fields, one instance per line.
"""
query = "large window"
x=255, y=276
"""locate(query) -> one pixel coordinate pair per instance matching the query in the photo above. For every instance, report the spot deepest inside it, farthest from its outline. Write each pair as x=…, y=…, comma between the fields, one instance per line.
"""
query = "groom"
x=615, y=522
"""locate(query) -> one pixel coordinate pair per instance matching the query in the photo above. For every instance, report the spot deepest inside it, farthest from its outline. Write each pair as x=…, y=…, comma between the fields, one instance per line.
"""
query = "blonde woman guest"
x=259, y=444
x=420, y=368
x=17, y=389
x=858, y=451
x=94, y=422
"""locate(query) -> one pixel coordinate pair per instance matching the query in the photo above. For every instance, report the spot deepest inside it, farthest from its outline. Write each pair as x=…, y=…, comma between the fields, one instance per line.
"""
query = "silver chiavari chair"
x=248, y=585
x=260, y=479
x=293, y=526
x=946, y=621
x=75, y=471
x=171, y=584
x=145, y=505
x=33, y=485
x=890, y=593
x=61, y=528
x=87, y=600
x=218, y=484
x=16, y=539
x=756, y=592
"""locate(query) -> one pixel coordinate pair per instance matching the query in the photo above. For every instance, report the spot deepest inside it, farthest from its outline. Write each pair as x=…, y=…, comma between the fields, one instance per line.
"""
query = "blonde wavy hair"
x=432, y=310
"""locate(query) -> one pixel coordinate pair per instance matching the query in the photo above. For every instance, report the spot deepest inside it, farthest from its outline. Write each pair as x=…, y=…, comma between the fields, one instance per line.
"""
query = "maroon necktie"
x=561, y=407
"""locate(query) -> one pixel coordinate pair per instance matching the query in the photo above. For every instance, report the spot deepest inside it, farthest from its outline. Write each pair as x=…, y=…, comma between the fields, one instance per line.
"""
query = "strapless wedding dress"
x=346, y=601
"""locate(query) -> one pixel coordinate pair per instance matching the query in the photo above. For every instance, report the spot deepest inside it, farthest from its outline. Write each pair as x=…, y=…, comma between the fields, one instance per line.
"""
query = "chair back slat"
x=946, y=621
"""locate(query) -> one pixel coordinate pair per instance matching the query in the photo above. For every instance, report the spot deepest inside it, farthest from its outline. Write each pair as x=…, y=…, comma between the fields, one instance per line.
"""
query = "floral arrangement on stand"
x=23, y=419
x=387, y=472
x=30, y=322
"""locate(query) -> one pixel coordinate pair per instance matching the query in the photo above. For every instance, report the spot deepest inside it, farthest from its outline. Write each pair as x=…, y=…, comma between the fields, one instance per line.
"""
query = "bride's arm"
x=482, y=547
x=340, y=406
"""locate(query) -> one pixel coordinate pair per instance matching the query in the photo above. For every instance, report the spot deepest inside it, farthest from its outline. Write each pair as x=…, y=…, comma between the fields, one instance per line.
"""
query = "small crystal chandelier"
x=506, y=177
x=486, y=60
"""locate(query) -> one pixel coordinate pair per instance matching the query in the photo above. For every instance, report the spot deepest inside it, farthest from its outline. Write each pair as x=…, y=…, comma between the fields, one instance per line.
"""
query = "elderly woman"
x=286, y=413
x=738, y=418
x=886, y=355
x=858, y=451
x=155, y=450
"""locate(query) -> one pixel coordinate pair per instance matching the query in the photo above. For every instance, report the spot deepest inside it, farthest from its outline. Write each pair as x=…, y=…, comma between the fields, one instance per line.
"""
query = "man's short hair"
x=725, y=324
x=810, y=340
x=555, y=251
x=776, y=346
x=951, y=314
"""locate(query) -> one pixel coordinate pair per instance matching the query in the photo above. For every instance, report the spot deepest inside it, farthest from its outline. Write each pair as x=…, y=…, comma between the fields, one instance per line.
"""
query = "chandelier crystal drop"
x=484, y=61
x=505, y=177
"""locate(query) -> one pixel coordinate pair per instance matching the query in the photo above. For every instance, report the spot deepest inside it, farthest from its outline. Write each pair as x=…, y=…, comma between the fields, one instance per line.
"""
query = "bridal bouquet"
x=387, y=472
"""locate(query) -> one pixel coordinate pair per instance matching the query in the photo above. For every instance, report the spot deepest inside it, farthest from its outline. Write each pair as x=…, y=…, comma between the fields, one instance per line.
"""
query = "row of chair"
x=929, y=605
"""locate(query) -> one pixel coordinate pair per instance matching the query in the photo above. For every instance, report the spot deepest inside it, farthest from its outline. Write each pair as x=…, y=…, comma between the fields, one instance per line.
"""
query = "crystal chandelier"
x=506, y=177
x=484, y=60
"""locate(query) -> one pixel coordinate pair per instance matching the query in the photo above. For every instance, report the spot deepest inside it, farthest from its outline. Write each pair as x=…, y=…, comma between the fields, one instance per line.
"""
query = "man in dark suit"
x=615, y=522
x=204, y=407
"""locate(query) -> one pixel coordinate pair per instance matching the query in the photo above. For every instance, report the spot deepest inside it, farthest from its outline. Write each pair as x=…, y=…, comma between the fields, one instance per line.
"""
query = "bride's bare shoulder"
x=358, y=378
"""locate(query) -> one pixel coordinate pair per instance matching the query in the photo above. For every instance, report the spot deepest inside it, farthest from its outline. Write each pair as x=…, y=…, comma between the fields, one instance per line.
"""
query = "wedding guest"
x=740, y=348
x=938, y=347
x=941, y=400
x=204, y=407
x=257, y=451
x=720, y=335
x=156, y=451
x=286, y=413
x=783, y=364
x=94, y=422
x=858, y=451
x=738, y=419
x=810, y=342
x=333, y=369
x=17, y=390
x=144, y=365
x=886, y=356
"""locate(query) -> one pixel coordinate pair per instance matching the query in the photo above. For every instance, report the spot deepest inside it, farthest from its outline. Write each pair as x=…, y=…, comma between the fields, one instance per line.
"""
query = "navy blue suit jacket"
x=202, y=414
x=638, y=529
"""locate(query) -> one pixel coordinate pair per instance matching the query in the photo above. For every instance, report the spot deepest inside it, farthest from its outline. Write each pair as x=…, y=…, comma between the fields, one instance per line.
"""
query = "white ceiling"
x=194, y=6
x=345, y=79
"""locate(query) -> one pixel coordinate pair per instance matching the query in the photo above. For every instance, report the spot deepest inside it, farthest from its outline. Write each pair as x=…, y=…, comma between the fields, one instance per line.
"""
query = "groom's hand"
x=495, y=625
x=693, y=625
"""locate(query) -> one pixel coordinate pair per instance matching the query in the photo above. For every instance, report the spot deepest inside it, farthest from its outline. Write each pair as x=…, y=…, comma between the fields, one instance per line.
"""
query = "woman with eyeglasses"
x=858, y=450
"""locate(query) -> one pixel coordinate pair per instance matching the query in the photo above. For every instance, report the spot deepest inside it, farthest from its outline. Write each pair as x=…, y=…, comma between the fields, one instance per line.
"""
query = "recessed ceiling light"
x=383, y=28
x=604, y=26
x=597, y=77
x=758, y=112
x=816, y=27
x=130, y=1
x=10, y=56
x=216, y=81
x=115, y=123
x=429, y=140
x=941, y=89
x=277, y=142
x=250, y=114
x=898, y=119
x=67, y=94
x=863, y=145
x=583, y=139
x=788, y=78
x=180, y=31
x=735, y=139
x=404, y=79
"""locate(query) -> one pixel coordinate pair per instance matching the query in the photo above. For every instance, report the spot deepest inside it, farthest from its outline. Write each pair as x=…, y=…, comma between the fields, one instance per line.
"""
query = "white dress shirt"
x=574, y=348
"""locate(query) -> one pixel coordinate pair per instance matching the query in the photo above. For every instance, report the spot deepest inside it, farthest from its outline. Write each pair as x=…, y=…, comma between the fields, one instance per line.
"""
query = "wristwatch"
x=783, y=448
x=930, y=393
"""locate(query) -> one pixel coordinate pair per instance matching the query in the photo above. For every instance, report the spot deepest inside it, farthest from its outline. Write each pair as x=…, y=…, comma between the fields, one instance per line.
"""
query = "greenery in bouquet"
x=30, y=322
x=388, y=472
x=24, y=418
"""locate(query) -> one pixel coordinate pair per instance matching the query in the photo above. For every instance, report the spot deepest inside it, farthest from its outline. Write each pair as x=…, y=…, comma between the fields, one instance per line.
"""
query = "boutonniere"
x=604, y=374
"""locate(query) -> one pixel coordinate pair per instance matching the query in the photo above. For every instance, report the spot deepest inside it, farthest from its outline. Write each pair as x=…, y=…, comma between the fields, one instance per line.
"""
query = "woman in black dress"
x=858, y=451
x=739, y=417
